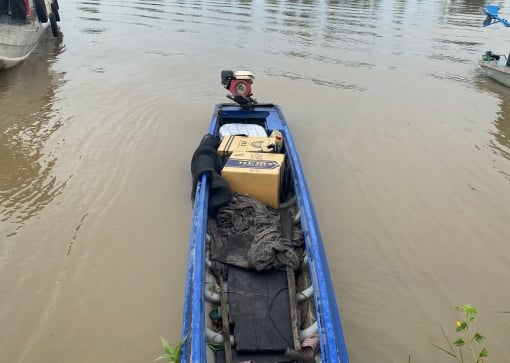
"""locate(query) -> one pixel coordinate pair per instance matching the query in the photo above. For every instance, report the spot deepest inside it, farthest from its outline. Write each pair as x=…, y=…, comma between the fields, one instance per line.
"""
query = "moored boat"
x=258, y=286
x=22, y=25
x=495, y=66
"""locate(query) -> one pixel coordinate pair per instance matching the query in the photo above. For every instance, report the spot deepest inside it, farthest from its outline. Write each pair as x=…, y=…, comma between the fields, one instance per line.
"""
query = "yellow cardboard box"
x=235, y=143
x=257, y=174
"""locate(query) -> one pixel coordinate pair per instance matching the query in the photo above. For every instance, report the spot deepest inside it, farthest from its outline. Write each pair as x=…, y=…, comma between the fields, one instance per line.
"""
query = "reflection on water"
x=502, y=132
x=500, y=143
x=27, y=182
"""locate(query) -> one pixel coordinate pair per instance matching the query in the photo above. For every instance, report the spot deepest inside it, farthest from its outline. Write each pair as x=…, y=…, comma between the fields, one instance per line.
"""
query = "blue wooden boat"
x=281, y=314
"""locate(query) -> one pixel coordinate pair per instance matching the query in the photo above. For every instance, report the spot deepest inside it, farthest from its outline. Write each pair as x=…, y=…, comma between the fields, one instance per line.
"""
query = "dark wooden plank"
x=259, y=310
x=254, y=357
x=286, y=230
x=225, y=322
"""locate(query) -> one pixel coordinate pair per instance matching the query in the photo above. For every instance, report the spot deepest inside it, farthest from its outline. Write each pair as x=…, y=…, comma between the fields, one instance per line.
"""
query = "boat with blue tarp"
x=495, y=66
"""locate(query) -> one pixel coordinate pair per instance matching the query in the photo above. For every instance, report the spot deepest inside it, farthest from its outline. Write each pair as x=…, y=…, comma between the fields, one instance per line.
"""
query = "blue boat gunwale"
x=333, y=347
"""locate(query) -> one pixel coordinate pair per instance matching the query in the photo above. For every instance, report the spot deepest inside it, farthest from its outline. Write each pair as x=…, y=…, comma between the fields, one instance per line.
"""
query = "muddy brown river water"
x=405, y=143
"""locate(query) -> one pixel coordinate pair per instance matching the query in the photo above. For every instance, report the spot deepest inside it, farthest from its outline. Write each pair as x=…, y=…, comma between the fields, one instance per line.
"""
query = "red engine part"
x=240, y=87
x=27, y=5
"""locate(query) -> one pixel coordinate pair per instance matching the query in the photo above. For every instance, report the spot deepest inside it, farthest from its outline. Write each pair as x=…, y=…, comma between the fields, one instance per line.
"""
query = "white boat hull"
x=497, y=71
x=17, y=41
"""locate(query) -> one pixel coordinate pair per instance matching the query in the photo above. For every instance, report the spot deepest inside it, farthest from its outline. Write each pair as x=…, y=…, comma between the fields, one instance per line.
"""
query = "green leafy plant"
x=172, y=354
x=467, y=339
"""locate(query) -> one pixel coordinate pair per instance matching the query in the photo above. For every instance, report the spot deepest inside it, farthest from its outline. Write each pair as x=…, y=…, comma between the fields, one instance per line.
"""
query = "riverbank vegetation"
x=467, y=345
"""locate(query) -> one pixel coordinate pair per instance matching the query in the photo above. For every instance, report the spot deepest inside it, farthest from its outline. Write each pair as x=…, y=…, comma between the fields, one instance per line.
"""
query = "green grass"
x=172, y=353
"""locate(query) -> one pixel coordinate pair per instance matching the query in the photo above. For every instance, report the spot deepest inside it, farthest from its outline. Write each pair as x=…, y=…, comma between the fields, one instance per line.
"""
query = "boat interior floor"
x=261, y=310
x=254, y=357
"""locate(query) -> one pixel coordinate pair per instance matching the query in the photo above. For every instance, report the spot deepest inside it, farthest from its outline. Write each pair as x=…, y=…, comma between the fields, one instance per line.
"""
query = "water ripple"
x=27, y=181
x=321, y=82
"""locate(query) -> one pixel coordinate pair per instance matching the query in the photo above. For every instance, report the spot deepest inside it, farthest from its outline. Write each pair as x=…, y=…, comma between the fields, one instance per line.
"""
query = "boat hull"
x=18, y=41
x=496, y=71
x=19, y=38
x=329, y=329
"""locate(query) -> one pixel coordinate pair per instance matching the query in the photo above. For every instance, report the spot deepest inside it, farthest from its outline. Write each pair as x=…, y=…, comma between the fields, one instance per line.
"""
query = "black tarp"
x=207, y=161
x=15, y=8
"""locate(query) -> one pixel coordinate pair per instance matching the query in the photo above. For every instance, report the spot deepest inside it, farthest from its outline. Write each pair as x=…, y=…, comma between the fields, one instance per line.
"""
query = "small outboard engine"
x=239, y=84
